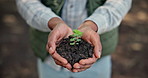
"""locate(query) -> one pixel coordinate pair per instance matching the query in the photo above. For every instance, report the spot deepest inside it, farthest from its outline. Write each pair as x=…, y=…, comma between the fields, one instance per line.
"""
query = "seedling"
x=76, y=37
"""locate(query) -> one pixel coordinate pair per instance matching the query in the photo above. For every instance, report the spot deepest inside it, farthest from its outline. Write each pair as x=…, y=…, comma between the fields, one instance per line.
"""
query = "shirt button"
x=71, y=6
x=71, y=77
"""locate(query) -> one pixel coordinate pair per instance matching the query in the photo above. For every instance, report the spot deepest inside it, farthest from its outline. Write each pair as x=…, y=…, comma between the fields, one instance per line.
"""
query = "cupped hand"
x=60, y=31
x=93, y=38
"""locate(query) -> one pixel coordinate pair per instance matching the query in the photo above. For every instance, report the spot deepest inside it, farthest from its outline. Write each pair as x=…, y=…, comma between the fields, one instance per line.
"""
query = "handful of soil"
x=74, y=53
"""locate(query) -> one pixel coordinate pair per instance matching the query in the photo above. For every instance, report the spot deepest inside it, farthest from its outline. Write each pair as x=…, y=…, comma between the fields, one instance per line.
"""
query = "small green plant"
x=76, y=37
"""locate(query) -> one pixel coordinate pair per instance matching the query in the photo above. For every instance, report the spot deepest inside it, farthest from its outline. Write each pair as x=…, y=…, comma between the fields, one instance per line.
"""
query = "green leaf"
x=72, y=39
x=77, y=33
x=78, y=40
x=77, y=43
x=74, y=35
x=72, y=43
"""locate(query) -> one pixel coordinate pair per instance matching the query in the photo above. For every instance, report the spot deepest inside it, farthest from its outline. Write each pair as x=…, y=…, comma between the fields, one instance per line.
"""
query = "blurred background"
x=129, y=60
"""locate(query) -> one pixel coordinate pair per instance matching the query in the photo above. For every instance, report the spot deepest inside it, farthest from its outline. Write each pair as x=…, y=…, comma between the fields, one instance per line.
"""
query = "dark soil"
x=74, y=53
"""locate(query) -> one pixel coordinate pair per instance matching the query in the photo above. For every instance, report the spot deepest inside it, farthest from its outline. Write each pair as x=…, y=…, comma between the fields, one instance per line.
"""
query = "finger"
x=59, y=58
x=75, y=70
x=97, y=45
x=78, y=70
x=70, y=33
x=47, y=48
x=51, y=47
x=76, y=66
x=97, y=51
x=57, y=62
x=81, y=66
x=51, y=50
x=68, y=66
x=53, y=38
x=85, y=66
x=88, y=61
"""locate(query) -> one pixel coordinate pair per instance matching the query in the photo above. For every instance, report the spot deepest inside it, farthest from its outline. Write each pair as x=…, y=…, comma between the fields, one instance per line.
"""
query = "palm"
x=93, y=38
x=59, y=32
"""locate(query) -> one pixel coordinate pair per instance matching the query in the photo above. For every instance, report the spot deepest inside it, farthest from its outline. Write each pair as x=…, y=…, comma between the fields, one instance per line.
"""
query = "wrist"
x=89, y=24
x=53, y=22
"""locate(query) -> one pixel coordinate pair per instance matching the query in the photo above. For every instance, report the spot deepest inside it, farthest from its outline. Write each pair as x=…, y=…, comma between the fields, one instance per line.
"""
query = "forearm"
x=110, y=15
x=35, y=14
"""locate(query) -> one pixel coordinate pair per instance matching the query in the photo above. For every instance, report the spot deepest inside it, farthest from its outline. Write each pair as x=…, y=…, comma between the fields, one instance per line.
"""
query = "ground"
x=129, y=60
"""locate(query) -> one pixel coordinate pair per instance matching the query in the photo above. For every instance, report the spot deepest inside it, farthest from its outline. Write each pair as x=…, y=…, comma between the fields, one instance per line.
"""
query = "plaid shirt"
x=74, y=13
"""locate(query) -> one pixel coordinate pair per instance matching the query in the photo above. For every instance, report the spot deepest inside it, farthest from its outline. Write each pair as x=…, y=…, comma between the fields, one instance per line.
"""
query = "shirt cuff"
x=45, y=18
x=100, y=21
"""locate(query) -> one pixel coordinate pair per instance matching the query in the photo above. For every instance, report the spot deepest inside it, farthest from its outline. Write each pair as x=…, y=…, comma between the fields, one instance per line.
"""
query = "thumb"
x=97, y=52
x=52, y=39
x=98, y=49
x=97, y=46
x=52, y=47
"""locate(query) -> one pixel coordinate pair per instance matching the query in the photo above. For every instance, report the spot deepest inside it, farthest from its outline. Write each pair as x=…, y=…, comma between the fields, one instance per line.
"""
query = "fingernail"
x=50, y=50
x=78, y=67
x=82, y=62
x=99, y=53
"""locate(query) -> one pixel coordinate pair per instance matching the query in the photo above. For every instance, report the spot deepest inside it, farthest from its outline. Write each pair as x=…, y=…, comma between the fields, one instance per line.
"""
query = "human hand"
x=59, y=31
x=88, y=28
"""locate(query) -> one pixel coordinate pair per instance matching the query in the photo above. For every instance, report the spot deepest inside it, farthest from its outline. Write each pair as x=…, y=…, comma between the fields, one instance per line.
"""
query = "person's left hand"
x=88, y=28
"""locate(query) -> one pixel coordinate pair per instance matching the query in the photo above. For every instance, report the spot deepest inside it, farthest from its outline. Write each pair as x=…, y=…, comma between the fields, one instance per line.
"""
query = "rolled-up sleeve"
x=35, y=14
x=110, y=15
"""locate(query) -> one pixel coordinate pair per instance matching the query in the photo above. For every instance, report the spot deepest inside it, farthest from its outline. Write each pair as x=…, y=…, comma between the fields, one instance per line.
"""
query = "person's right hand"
x=59, y=31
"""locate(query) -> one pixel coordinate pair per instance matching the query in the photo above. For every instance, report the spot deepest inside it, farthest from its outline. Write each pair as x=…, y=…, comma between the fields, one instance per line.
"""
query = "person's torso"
x=74, y=12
